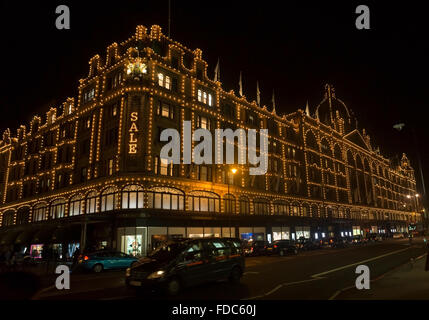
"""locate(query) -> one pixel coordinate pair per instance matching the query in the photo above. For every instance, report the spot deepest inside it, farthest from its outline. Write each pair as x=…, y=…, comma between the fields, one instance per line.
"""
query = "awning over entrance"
x=25, y=236
x=66, y=234
x=43, y=236
x=9, y=237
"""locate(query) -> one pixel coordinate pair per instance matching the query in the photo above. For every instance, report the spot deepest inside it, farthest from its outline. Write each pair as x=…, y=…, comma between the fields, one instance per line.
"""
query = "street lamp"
x=233, y=171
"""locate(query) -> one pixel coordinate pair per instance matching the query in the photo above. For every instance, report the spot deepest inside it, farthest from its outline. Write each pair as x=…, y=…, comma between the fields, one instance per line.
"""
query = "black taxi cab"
x=187, y=263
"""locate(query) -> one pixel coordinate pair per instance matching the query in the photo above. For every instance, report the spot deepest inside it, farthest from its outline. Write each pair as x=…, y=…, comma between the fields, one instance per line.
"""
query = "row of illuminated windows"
x=133, y=198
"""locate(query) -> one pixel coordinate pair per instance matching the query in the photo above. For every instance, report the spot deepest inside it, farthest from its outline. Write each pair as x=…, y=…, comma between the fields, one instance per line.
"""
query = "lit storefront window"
x=36, y=251
x=281, y=233
x=356, y=231
x=133, y=241
x=302, y=232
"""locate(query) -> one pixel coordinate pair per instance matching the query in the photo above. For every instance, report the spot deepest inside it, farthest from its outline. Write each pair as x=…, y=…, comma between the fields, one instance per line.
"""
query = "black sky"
x=293, y=47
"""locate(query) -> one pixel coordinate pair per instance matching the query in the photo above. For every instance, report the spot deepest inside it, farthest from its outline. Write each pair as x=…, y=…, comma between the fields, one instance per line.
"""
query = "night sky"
x=294, y=49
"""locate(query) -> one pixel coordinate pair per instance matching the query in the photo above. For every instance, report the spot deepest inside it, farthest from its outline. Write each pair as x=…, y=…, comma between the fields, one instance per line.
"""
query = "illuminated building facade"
x=90, y=173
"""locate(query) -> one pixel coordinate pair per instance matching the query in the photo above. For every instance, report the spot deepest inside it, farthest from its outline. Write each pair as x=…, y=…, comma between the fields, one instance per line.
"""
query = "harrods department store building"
x=88, y=173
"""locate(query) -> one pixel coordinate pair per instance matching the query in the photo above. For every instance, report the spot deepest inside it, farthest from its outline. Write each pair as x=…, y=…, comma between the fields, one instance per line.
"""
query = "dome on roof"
x=331, y=108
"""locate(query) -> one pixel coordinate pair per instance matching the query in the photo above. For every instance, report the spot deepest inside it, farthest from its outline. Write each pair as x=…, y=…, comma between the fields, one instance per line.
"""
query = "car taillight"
x=275, y=246
x=86, y=258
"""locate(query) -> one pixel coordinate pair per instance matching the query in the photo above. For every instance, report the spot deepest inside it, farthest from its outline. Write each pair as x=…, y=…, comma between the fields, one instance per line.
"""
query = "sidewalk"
x=407, y=282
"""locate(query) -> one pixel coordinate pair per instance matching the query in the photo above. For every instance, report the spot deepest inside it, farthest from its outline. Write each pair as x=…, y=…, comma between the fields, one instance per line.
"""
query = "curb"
x=337, y=293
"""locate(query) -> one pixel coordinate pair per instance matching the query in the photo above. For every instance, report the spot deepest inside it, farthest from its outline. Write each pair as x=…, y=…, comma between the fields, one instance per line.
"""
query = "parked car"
x=359, y=240
x=104, y=260
x=255, y=248
x=326, y=242
x=340, y=243
x=282, y=247
x=308, y=244
x=187, y=263
x=374, y=238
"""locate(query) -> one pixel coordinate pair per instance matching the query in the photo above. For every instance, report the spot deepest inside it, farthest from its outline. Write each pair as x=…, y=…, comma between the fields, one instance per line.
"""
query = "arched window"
x=341, y=212
x=57, y=209
x=311, y=142
x=350, y=160
x=281, y=207
x=261, y=206
x=325, y=147
x=108, y=199
x=295, y=209
x=91, y=202
x=244, y=205
x=334, y=212
x=229, y=203
x=132, y=197
x=306, y=210
x=315, y=211
x=23, y=215
x=337, y=153
x=165, y=198
x=359, y=164
x=366, y=165
x=203, y=201
x=8, y=217
x=39, y=212
x=75, y=208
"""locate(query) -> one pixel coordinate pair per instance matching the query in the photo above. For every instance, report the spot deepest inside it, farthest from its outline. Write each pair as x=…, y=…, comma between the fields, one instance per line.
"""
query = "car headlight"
x=156, y=275
x=128, y=272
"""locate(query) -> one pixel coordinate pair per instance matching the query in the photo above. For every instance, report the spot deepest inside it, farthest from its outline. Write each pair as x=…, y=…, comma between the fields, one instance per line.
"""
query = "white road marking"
x=357, y=263
x=282, y=285
x=319, y=276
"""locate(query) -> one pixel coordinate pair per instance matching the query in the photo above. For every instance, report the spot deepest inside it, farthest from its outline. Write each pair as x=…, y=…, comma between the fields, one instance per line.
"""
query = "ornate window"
x=311, y=141
x=23, y=215
x=244, y=205
x=295, y=209
x=306, y=210
x=165, y=198
x=57, y=209
x=132, y=197
x=281, y=207
x=8, y=218
x=108, y=199
x=75, y=207
x=315, y=211
x=91, y=202
x=203, y=201
x=229, y=203
x=261, y=206
x=39, y=212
